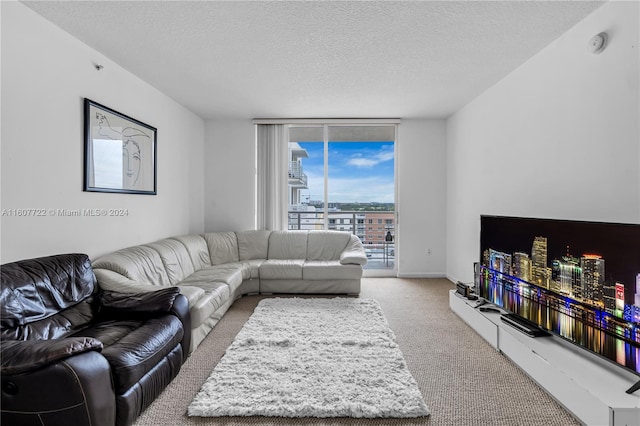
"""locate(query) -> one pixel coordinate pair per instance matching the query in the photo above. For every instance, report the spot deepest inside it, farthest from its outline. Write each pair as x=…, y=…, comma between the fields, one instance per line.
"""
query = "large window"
x=342, y=177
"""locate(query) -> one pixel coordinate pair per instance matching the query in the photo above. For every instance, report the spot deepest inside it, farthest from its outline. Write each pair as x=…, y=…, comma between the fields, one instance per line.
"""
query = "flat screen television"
x=576, y=279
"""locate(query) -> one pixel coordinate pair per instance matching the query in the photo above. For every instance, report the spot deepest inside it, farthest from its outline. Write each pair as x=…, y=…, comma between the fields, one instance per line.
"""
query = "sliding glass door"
x=342, y=177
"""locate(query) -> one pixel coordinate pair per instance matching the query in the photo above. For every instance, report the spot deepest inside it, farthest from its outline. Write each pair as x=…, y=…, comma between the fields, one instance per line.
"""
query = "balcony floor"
x=388, y=264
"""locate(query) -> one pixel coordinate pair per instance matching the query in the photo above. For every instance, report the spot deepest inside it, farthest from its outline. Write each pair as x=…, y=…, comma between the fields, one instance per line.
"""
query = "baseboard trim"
x=422, y=275
x=455, y=280
x=379, y=273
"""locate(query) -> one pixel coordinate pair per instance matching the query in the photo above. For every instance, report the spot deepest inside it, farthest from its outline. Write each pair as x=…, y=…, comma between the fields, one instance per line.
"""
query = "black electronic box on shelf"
x=465, y=291
x=521, y=324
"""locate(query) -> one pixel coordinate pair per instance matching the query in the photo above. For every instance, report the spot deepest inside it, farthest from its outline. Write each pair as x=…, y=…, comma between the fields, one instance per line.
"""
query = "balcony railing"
x=373, y=229
x=296, y=172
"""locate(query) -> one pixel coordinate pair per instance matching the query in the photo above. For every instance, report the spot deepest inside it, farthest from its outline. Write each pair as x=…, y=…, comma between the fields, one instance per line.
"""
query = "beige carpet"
x=463, y=380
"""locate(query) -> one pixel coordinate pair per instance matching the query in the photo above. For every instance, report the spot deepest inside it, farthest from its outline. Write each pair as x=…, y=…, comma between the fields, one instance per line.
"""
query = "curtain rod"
x=326, y=120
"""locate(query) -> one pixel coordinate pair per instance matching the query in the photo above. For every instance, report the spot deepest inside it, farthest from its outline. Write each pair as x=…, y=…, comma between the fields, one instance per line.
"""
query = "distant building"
x=631, y=313
x=376, y=225
x=297, y=178
x=592, y=266
x=522, y=266
x=499, y=261
x=301, y=214
x=566, y=274
x=347, y=222
x=540, y=273
x=619, y=300
x=609, y=297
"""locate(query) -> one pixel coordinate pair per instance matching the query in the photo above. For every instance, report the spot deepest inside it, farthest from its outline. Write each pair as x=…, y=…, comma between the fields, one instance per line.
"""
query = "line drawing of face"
x=102, y=120
x=130, y=162
x=131, y=156
x=135, y=143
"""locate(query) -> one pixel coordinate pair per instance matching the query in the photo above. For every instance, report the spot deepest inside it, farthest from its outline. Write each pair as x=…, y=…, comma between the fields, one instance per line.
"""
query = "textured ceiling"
x=223, y=59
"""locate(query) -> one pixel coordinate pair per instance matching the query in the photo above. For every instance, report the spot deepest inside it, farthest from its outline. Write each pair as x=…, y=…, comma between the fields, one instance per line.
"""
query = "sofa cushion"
x=253, y=244
x=221, y=273
x=251, y=268
x=287, y=245
x=192, y=293
x=139, y=263
x=330, y=269
x=197, y=248
x=326, y=245
x=310, y=286
x=223, y=247
x=45, y=298
x=175, y=258
x=214, y=297
x=134, y=347
x=275, y=269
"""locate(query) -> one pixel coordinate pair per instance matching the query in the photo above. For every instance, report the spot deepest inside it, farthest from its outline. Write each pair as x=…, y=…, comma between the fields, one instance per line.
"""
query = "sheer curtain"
x=272, y=188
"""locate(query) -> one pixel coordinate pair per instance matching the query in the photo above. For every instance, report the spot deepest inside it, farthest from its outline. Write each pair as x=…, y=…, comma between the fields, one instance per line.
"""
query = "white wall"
x=421, y=150
x=46, y=73
x=230, y=173
x=557, y=138
x=421, y=163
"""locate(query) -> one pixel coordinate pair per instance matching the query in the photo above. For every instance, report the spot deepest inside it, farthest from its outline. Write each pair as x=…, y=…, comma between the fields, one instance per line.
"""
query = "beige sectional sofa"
x=214, y=269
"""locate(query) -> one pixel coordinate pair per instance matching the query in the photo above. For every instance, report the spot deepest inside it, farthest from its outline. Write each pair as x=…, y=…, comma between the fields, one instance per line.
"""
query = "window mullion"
x=326, y=175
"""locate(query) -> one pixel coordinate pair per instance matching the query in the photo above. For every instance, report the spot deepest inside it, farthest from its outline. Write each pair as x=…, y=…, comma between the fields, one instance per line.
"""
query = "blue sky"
x=358, y=171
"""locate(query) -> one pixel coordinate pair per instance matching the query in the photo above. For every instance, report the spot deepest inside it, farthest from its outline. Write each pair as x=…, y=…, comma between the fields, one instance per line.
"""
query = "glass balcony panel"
x=360, y=185
x=378, y=244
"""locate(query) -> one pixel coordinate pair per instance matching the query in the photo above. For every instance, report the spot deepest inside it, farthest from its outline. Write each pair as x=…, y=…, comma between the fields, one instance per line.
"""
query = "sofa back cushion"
x=197, y=248
x=326, y=245
x=223, y=247
x=142, y=264
x=47, y=297
x=288, y=245
x=175, y=258
x=253, y=244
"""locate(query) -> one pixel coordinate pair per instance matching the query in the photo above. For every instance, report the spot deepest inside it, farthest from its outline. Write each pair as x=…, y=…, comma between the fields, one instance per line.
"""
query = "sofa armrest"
x=155, y=302
x=353, y=253
x=180, y=309
x=20, y=356
x=159, y=302
x=78, y=387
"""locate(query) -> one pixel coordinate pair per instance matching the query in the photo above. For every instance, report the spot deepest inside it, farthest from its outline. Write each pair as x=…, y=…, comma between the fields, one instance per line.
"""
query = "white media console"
x=592, y=389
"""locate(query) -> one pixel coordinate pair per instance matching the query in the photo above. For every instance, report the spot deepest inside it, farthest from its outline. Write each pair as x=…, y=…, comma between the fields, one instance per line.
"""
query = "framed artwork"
x=119, y=152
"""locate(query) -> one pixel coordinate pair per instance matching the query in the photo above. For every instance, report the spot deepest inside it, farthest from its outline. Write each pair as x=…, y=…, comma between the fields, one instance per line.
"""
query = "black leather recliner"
x=72, y=354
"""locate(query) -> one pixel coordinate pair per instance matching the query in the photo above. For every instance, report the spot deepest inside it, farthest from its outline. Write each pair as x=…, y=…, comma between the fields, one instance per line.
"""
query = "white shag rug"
x=317, y=357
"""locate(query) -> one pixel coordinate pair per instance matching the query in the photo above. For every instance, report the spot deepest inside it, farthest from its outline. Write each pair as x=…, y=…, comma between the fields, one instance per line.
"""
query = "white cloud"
x=385, y=156
x=359, y=161
x=362, y=162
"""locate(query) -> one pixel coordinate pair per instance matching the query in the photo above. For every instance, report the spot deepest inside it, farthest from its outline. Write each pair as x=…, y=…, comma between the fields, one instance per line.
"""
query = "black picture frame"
x=120, y=152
